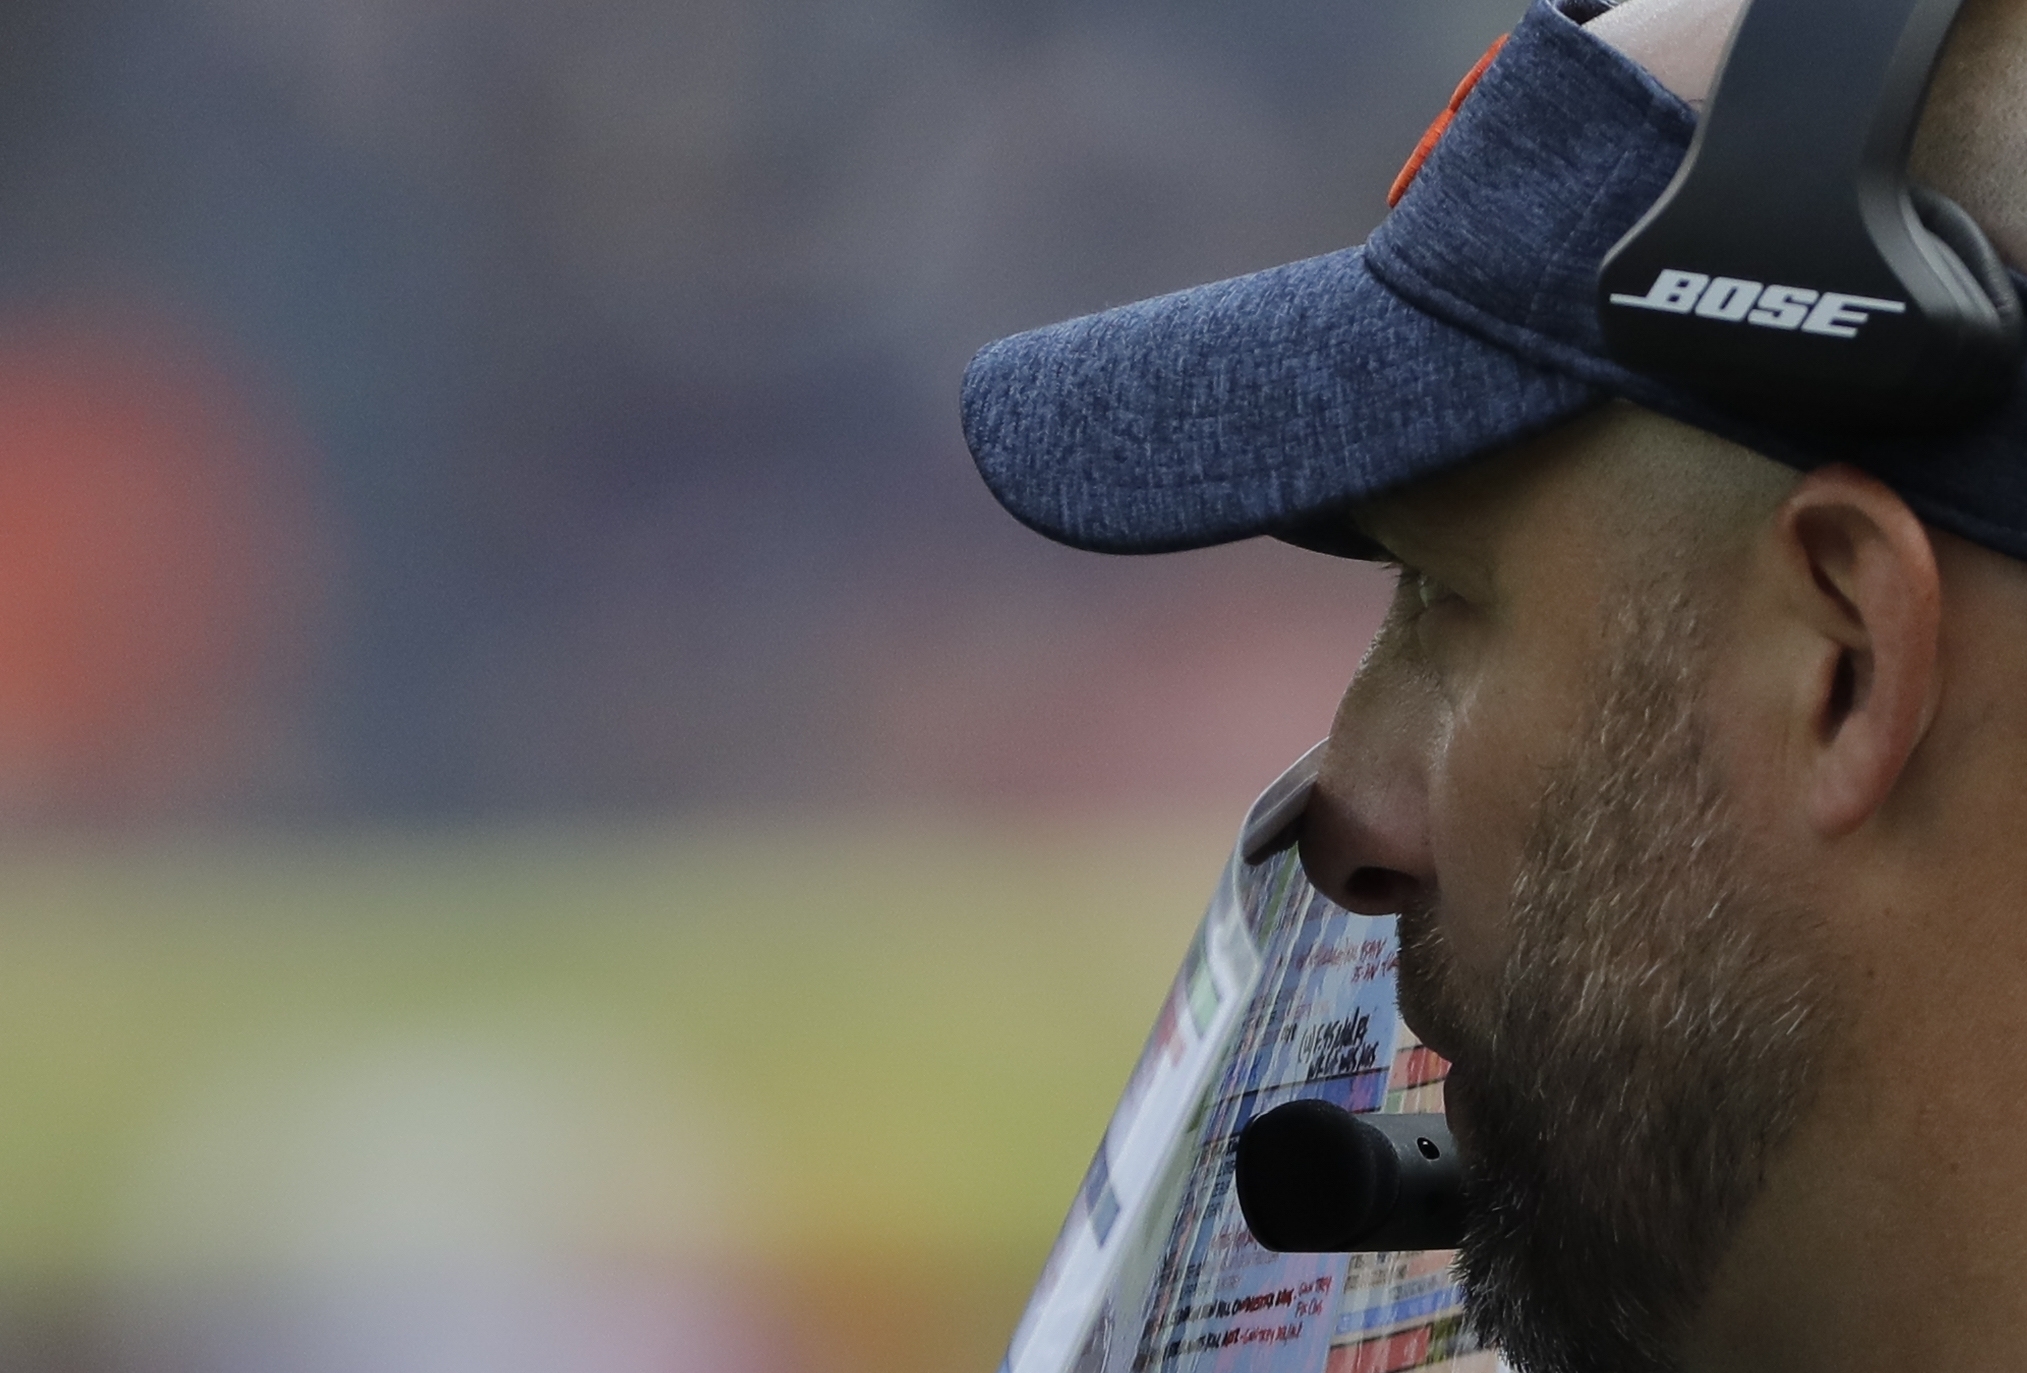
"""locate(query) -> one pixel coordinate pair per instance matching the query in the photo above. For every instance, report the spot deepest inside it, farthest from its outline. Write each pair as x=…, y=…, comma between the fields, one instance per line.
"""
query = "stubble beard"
x=1650, y=1042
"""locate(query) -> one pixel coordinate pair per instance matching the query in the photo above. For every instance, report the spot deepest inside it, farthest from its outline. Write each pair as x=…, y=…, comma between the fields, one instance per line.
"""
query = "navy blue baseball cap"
x=1467, y=323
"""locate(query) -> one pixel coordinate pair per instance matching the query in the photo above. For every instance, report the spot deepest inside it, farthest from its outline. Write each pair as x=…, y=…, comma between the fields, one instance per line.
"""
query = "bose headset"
x=1790, y=271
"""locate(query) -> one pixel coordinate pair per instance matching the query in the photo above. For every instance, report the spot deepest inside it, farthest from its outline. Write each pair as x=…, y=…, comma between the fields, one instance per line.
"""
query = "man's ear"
x=1863, y=573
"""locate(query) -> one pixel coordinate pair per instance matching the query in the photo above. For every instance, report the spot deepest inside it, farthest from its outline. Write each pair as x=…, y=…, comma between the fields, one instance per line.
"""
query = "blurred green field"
x=887, y=1049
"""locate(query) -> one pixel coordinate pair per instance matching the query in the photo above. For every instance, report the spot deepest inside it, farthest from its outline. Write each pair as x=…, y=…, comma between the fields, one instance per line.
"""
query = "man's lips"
x=1426, y=991
x=1457, y=1111
x=1425, y=983
x=1428, y=1029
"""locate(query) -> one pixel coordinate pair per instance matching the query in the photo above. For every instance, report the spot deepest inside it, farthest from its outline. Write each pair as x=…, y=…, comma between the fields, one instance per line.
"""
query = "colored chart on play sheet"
x=1282, y=995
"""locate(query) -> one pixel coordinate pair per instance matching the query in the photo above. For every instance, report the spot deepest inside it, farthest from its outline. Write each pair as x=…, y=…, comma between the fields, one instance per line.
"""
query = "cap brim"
x=1252, y=406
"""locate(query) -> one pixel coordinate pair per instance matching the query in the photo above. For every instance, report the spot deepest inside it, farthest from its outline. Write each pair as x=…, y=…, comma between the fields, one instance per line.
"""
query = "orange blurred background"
x=164, y=573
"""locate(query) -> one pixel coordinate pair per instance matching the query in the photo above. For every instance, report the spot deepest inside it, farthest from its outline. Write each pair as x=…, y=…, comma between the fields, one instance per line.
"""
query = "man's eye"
x=1419, y=590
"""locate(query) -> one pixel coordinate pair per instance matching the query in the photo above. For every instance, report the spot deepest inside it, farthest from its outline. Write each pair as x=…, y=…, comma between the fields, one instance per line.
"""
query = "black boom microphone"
x=1313, y=1178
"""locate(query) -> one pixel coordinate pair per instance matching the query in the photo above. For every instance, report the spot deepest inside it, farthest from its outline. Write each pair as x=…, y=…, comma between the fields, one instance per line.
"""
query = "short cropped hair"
x=1972, y=143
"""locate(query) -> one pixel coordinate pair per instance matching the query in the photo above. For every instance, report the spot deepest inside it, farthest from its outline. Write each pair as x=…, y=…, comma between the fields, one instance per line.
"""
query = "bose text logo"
x=1830, y=313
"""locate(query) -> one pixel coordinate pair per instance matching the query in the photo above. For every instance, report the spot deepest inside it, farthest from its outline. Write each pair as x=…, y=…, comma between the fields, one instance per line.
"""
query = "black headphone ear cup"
x=1954, y=228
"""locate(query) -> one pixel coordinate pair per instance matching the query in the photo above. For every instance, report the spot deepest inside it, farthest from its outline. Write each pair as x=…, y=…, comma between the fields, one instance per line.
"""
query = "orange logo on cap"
x=1434, y=133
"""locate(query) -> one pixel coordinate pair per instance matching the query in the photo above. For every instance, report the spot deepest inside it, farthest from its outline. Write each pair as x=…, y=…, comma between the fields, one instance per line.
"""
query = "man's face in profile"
x=1630, y=997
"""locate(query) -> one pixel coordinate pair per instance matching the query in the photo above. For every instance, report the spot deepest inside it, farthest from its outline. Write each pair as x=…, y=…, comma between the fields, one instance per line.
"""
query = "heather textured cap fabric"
x=1466, y=323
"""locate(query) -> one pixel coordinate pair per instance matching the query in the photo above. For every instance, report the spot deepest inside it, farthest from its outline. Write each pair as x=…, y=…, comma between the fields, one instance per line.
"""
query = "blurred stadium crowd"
x=552, y=401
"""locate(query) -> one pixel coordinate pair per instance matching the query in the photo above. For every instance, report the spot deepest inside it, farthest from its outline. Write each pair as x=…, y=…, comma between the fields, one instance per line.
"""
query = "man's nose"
x=1365, y=833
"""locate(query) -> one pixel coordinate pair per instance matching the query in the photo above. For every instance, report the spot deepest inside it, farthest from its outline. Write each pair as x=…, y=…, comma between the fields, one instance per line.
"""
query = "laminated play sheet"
x=1282, y=995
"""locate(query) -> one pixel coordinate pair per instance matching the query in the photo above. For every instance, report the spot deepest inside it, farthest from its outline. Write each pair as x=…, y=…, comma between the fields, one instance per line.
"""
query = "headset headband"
x=1790, y=270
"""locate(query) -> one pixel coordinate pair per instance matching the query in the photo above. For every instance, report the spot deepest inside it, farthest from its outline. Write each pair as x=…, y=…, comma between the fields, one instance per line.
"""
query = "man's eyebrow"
x=1404, y=538
x=1382, y=548
x=1453, y=551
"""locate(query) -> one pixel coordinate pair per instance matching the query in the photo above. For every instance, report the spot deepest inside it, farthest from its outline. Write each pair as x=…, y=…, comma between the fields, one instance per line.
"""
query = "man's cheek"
x=1483, y=794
